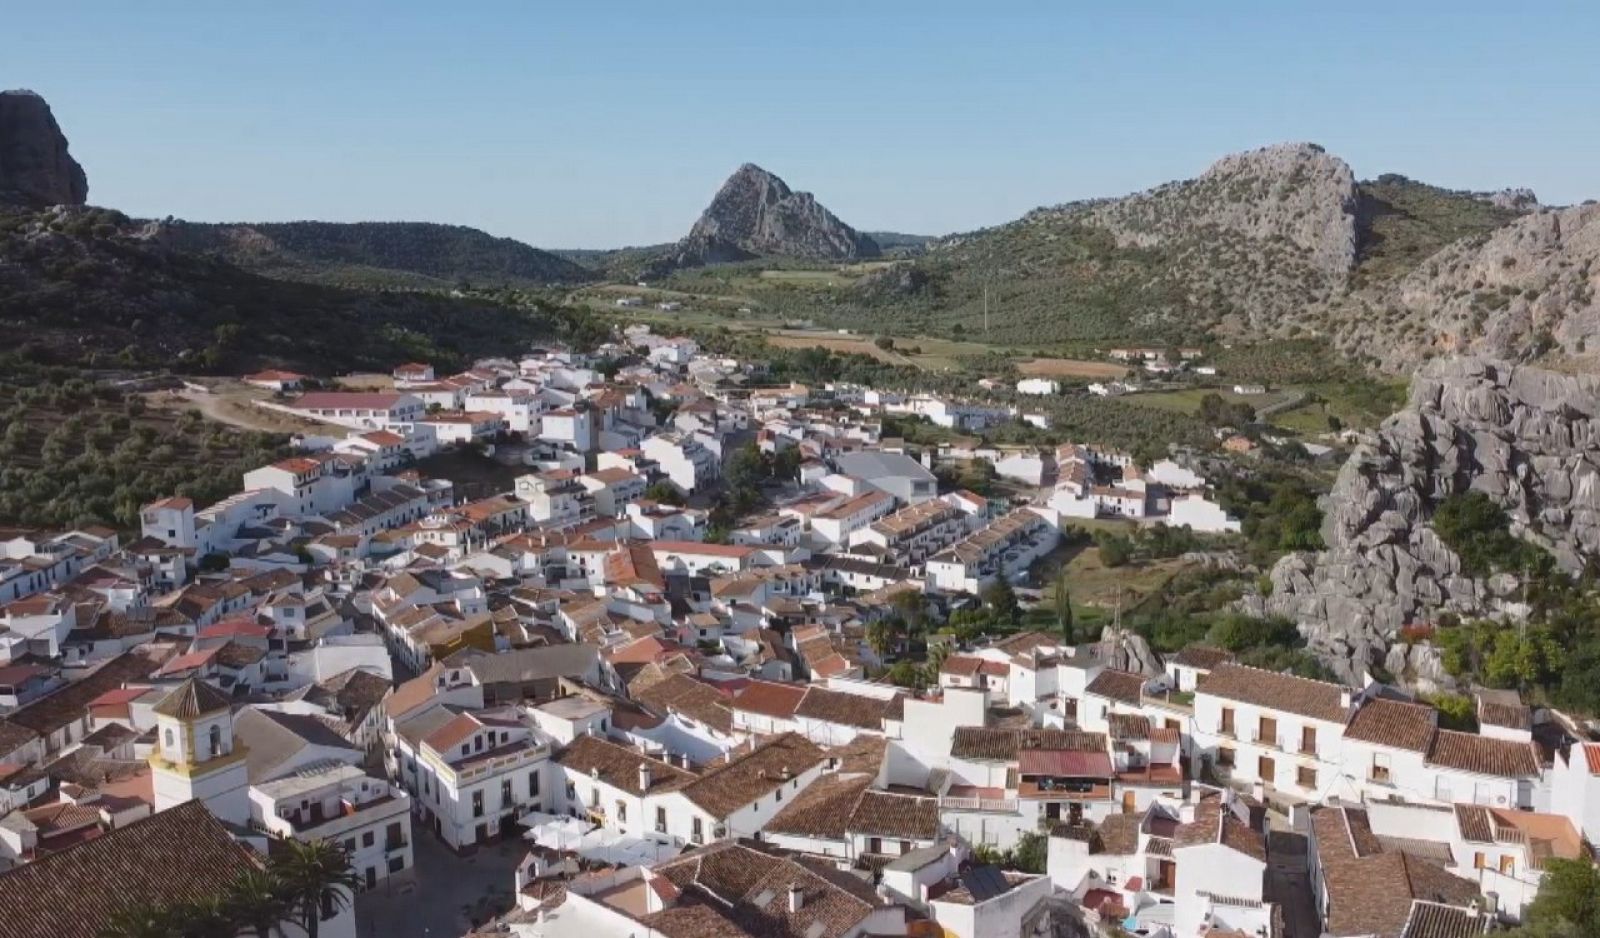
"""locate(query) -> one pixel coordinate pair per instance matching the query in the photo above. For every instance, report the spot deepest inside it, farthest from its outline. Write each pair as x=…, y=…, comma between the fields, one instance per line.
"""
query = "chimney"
x=797, y=898
x=644, y=776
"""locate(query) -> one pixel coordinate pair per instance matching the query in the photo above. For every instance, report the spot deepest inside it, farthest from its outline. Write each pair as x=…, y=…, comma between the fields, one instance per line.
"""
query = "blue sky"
x=602, y=124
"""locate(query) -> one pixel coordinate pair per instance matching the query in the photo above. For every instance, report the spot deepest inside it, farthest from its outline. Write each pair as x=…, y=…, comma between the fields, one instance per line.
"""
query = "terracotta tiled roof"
x=769, y=698
x=191, y=699
x=823, y=809
x=1117, y=685
x=57, y=709
x=618, y=766
x=995, y=744
x=750, y=889
x=1393, y=723
x=1318, y=700
x=903, y=817
x=1215, y=824
x=1371, y=892
x=745, y=778
x=177, y=855
x=1202, y=657
x=858, y=710
x=686, y=695
x=1438, y=920
x=1483, y=755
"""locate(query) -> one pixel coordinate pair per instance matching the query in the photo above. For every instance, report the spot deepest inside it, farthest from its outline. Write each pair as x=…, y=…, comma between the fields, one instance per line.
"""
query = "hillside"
x=377, y=254
x=1281, y=243
x=88, y=286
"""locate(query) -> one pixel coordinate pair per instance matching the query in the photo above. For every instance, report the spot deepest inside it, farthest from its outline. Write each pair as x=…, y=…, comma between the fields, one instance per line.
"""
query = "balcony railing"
x=993, y=805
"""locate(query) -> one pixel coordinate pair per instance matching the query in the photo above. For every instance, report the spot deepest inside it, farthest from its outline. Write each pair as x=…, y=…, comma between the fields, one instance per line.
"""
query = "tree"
x=1031, y=854
x=880, y=638
x=145, y=920
x=316, y=877
x=1568, y=902
x=911, y=606
x=210, y=917
x=883, y=342
x=665, y=493
x=1115, y=550
x=1002, y=601
x=1061, y=598
x=258, y=903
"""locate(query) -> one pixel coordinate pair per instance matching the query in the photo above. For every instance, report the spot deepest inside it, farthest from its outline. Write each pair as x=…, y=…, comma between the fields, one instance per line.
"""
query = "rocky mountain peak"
x=35, y=168
x=756, y=214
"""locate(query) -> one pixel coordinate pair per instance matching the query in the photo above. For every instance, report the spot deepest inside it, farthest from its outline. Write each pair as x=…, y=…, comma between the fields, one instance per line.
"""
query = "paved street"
x=461, y=892
x=1289, y=884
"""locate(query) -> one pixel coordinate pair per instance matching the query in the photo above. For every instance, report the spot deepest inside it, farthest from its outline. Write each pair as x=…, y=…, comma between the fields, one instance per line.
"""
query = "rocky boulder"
x=35, y=168
x=1528, y=439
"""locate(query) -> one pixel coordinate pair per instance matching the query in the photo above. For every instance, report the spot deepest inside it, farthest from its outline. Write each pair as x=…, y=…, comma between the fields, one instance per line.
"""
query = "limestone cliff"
x=1527, y=438
x=35, y=168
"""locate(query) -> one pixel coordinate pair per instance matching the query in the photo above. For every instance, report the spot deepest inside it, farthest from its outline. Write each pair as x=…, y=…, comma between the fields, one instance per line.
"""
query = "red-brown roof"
x=770, y=699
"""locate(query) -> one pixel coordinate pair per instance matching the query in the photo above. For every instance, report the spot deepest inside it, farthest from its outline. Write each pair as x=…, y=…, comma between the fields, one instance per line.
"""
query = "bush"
x=1479, y=533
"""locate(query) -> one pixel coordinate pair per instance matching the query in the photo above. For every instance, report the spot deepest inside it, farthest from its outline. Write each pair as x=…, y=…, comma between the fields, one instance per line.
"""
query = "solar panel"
x=984, y=882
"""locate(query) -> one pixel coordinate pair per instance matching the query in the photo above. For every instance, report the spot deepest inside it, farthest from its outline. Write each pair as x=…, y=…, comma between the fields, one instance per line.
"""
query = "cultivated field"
x=1070, y=368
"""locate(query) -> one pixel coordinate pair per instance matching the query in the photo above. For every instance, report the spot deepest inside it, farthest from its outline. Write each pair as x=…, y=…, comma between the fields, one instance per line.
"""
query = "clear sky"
x=590, y=123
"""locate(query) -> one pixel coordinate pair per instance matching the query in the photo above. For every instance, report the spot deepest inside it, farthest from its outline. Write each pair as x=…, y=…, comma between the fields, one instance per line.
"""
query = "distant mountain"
x=756, y=214
x=1280, y=242
x=35, y=168
x=88, y=286
x=405, y=254
x=897, y=242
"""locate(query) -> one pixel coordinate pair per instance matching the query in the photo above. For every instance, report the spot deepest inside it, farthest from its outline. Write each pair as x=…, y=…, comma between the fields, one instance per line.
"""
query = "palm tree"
x=315, y=876
x=210, y=917
x=257, y=902
x=145, y=920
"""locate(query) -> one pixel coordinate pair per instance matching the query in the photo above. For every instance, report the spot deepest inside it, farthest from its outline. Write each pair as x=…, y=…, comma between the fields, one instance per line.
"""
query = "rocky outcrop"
x=35, y=168
x=1125, y=650
x=1527, y=438
x=1531, y=287
x=1296, y=193
x=756, y=214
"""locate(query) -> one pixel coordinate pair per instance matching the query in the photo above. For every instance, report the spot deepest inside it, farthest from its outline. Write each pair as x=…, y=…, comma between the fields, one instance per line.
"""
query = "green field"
x=1188, y=400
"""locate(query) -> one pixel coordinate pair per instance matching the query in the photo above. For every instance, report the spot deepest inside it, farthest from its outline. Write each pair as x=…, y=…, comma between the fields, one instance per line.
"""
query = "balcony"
x=983, y=805
x=391, y=844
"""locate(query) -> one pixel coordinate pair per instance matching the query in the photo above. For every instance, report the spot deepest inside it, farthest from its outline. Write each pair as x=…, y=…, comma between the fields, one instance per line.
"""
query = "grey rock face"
x=1528, y=439
x=1124, y=650
x=35, y=168
x=755, y=214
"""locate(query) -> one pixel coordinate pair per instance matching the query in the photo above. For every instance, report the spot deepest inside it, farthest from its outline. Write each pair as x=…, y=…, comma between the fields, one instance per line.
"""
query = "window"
x=622, y=811
x=215, y=737
x=477, y=804
x=1508, y=865
x=396, y=864
x=477, y=743
x=350, y=845
x=572, y=792
x=1227, y=722
x=1306, y=777
x=1308, y=740
x=1225, y=756
x=778, y=795
x=1478, y=861
x=171, y=742
x=697, y=833
x=507, y=798
x=1267, y=731
x=1380, y=767
x=533, y=784
x=661, y=820
x=367, y=839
